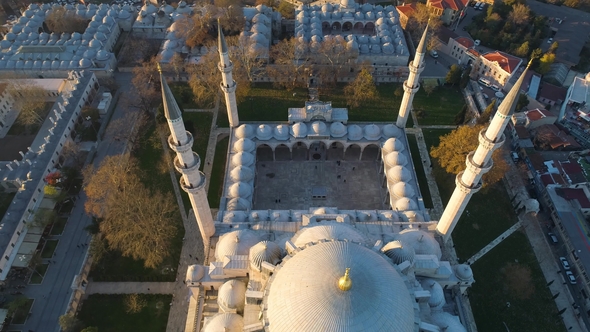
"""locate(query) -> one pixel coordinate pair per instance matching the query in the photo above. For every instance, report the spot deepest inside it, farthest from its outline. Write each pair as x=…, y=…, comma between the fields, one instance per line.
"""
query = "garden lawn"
x=58, y=227
x=21, y=314
x=108, y=313
x=488, y=214
x=49, y=248
x=185, y=98
x=5, y=200
x=39, y=274
x=419, y=166
x=441, y=107
x=218, y=173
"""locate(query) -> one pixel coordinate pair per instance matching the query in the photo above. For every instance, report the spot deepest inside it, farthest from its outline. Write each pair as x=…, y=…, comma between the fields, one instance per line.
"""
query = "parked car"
x=514, y=156
x=485, y=96
x=434, y=54
x=495, y=87
x=550, y=40
x=484, y=81
x=571, y=277
x=565, y=263
x=553, y=238
x=477, y=42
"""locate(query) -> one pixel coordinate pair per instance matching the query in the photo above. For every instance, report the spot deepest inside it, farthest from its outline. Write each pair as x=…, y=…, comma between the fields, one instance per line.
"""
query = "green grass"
x=155, y=175
x=185, y=98
x=20, y=315
x=488, y=214
x=419, y=166
x=49, y=248
x=58, y=226
x=37, y=276
x=441, y=107
x=108, y=313
x=5, y=200
x=218, y=173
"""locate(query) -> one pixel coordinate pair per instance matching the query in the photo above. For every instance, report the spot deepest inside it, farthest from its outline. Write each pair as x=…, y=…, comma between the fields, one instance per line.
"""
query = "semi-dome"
x=355, y=133
x=264, y=251
x=241, y=173
x=264, y=132
x=236, y=243
x=194, y=273
x=224, y=322
x=231, y=296
x=399, y=173
x=402, y=189
x=391, y=130
x=393, y=144
x=447, y=322
x=337, y=129
x=336, y=231
x=405, y=204
x=281, y=132
x=398, y=252
x=242, y=159
x=437, y=296
x=240, y=189
x=375, y=297
x=238, y=204
x=299, y=130
x=422, y=242
x=395, y=158
x=245, y=131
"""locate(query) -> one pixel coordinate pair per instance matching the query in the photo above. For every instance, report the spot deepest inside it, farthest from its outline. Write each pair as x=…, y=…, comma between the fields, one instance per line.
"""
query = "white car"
x=571, y=277
x=565, y=263
x=495, y=87
x=550, y=40
x=434, y=54
x=477, y=42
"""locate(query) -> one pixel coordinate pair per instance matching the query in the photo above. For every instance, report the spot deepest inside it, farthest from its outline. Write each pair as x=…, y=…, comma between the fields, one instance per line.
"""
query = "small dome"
x=102, y=55
x=226, y=322
x=463, y=272
x=259, y=215
x=85, y=63
x=264, y=132
x=355, y=133
x=388, y=216
x=245, y=131
x=335, y=231
x=422, y=242
x=242, y=159
x=194, y=273
x=241, y=173
x=299, y=130
x=231, y=296
x=413, y=216
x=398, y=252
x=236, y=243
x=391, y=130
x=238, y=204
x=240, y=189
x=395, y=158
x=405, y=204
x=233, y=217
x=402, y=189
x=244, y=144
x=393, y=144
x=264, y=251
x=399, y=173
x=337, y=129
x=318, y=128
x=447, y=322
x=437, y=296
x=281, y=132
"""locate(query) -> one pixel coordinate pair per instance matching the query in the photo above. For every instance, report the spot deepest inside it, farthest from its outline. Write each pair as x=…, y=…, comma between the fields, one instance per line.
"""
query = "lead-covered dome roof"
x=336, y=231
x=226, y=322
x=236, y=243
x=303, y=294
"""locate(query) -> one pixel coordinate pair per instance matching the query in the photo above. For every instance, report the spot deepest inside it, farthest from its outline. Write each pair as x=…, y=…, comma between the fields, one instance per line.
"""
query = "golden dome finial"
x=159, y=68
x=345, y=283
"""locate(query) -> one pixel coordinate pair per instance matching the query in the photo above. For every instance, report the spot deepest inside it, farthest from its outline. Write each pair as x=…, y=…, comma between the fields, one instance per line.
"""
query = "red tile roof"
x=547, y=179
x=551, y=92
x=465, y=41
x=444, y=34
x=507, y=62
x=577, y=194
x=522, y=132
x=538, y=114
x=448, y=4
x=407, y=10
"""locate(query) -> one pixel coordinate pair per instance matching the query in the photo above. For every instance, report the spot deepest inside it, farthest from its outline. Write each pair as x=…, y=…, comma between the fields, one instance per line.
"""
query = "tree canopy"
x=361, y=90
x=454, y=148
x=30, y=99
x=454, y=75
x=134, y=220
x=61, y=20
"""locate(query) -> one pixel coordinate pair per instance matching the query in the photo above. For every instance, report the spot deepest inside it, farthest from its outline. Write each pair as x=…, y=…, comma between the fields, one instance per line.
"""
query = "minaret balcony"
x=188, y=169
x=487, y=143
x=475, y=168
x=409, y=89
x=465, y=188
x=228, y=68
x=228, y=89
x=193, y=189
x=181, y=148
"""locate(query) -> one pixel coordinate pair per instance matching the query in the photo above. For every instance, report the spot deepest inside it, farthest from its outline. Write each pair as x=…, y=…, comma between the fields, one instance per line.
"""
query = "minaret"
x=187, y=162
x=228, y=85
x=479, y=162
x=412, y=84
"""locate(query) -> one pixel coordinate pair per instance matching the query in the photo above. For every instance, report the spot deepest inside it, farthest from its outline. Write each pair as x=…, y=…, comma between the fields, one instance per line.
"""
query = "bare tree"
x=146, y=81
x=361, y=90
x=30, y=99
x=134, y=303
x=520, y=14
x=60, y=20
x=290, y=66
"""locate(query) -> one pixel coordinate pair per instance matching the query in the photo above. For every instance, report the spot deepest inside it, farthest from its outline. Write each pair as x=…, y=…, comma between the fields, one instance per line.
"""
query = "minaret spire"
x=412, y=84
x=478, y=162
x=187, y=162
x=228, y=85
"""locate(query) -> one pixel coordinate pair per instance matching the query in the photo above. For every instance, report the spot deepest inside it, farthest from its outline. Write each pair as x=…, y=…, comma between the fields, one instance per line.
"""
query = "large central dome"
x=303, y=294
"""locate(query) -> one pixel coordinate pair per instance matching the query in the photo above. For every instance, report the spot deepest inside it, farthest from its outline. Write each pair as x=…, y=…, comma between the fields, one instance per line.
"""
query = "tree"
x=485, y=116
x=90, y=329
x=545, y=63
x=44, y=217
x=98, y=248
x=17, y=303
x=290, y=65
x=146, y=82
x=454, y=75
x=429, y=88
x=69, y=323
x=61, y=20
x=417, y=22
x=553, y=47
x=134, y=303
x=519, y=15
x=522, y=102
x=287, y=10
x=454, y=147
x=29, y=99
x=522, y=50
x=361, y=90
x=136, y=221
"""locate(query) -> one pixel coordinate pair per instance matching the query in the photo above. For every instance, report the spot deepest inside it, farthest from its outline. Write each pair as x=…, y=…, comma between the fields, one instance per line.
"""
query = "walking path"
x=495, y=242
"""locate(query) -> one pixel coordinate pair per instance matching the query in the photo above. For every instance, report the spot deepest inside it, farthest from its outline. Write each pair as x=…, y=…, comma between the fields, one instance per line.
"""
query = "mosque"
x=322, y=225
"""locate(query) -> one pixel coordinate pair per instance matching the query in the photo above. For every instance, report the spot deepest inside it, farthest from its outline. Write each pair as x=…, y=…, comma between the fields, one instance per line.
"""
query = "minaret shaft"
x=228, y=85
